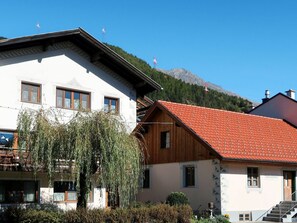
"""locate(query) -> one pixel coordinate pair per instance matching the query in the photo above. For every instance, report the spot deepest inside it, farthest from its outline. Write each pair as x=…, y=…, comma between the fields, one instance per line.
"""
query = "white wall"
x=60, y=67
x=237, y=197
x=279, y=107
x=167, y=178
x=64, y=66
x=47, y=192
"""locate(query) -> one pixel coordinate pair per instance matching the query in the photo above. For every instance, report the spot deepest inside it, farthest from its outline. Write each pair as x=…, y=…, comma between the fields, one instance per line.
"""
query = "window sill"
x=34, y=103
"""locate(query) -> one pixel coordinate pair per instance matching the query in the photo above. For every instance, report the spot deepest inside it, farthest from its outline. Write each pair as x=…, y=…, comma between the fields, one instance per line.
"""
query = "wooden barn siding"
x=184, y=147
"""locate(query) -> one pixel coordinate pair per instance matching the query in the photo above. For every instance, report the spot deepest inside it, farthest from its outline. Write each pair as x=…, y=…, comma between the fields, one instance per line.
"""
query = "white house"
x=245, y=164
x=63, y=71
x=283, y=106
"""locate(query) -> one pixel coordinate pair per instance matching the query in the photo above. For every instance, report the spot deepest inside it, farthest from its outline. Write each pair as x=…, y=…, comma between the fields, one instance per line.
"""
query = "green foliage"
x=163, y=213
x=216, y=219
x=82, y=215
x=19, y=214
x=184, y=211
x=98, y=143
x=158, y=213
x=177, y=198
x=178, y=91
x=40, y=216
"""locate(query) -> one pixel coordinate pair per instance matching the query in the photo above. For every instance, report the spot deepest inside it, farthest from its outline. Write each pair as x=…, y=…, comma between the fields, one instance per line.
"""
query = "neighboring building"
x=64, y=71
x=243, y=163
x=279, y=106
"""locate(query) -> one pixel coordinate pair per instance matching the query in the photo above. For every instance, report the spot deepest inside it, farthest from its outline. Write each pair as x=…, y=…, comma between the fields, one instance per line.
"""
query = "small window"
x=146, y=179
x=6, y=139
x=71, y=99
x=64, y=191
x=111, y=105
x=244, y=217
x=189, y=176
x=31, y=93
x=253, y=179
x=165, y=140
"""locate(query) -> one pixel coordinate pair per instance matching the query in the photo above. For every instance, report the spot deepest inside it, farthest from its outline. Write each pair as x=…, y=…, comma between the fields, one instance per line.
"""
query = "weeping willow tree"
x=91, y=145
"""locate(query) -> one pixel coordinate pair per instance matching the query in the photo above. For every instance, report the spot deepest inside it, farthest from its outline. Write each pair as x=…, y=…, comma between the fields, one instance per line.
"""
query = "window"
x=189, y=176
x=146, y=179
x=71, y=99
x=253, y=178
x=111, y=105
x=244, y=217
x=65, y=191
x=13, y=191
x=31, y=93
x=165, y=140
x=6, y=139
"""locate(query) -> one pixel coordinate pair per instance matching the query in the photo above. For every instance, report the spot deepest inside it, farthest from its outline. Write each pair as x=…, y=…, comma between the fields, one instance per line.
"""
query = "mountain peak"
x=188, y=77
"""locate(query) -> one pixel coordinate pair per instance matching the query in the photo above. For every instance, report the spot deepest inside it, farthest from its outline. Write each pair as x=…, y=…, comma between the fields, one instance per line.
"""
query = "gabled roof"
x=273, y=98
x=235, y=136
x=97, y=51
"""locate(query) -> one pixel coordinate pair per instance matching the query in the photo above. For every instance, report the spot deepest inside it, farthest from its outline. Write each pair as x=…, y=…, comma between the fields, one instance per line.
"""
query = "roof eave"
x=140, y=81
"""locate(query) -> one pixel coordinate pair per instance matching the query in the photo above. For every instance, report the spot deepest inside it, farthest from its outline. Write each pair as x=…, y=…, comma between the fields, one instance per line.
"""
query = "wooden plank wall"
x=183, y=146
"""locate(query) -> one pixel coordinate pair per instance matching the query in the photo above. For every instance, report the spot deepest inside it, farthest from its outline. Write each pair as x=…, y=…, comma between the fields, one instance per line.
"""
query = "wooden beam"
x=96, y=57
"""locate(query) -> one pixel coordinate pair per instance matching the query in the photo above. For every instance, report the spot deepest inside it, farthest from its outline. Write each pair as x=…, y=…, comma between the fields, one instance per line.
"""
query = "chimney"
x=291, y=93
x=267, y=95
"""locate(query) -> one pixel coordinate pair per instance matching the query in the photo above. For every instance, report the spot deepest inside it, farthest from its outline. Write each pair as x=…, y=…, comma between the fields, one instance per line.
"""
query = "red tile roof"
x=239, y=136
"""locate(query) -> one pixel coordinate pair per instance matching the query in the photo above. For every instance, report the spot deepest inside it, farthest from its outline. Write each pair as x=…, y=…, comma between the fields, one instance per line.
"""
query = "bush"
x=85, y=216
x=140, y=214
x=184, y=213
x=216, y=219
x=177, y=198
x=119, y=215
x=158, y=213
x=40, y=216
x=162, y=213
x=12, y=214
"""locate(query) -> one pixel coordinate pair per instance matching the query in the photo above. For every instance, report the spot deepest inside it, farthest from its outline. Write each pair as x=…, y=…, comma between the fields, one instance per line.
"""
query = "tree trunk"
x=83, y=191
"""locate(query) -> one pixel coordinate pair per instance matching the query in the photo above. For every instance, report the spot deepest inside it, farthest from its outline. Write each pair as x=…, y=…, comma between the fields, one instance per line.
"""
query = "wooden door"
x=288, y=185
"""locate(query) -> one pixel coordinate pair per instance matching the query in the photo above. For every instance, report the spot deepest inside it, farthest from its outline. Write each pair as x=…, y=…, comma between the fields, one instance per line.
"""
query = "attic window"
x=165, y=140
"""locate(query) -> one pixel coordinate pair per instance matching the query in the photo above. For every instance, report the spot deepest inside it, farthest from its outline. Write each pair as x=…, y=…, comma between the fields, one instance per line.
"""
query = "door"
x=289, y=185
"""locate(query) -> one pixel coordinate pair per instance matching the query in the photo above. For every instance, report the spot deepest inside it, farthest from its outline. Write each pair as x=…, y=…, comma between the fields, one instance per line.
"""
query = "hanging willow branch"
x=92, y=145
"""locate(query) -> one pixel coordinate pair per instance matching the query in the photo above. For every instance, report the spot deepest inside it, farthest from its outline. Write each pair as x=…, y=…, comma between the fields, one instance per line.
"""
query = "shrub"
x=40, y=216
x=177, y=198
x=162, y=213
x=119, y=215
x=12, y=214
x=184, y=213
x=85, y=216
x=140, y=214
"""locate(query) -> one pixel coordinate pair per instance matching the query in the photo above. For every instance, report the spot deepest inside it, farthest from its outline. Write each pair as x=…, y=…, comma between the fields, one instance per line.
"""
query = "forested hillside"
x=178, y=91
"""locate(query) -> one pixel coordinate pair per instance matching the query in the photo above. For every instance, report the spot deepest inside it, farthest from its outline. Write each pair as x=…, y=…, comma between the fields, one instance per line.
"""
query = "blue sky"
x=245, y=46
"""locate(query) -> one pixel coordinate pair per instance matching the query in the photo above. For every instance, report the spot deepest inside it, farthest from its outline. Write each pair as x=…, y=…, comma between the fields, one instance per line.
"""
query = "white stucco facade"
x=66, y=66
x=280, y=106
x=237, y=198
x=169, y=177
x=224, y=184
x=62, y=67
